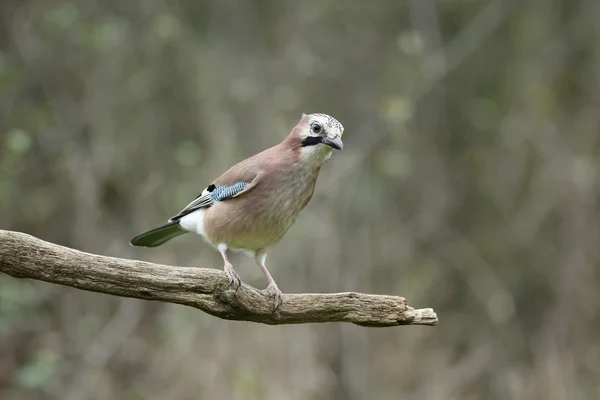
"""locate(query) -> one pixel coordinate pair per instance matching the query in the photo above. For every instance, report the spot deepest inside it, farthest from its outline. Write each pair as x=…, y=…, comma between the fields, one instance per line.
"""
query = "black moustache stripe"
x=311, y=141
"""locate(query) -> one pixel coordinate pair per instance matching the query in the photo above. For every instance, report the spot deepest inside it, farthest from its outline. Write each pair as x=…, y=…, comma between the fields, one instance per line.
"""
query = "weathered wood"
x=24, y=256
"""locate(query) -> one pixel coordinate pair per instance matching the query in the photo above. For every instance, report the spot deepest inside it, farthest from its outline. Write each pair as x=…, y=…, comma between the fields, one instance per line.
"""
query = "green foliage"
x=18, y=141
x=39, y=372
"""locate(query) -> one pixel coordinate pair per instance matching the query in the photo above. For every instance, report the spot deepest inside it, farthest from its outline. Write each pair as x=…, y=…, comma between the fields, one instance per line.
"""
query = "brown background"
x=469, y=183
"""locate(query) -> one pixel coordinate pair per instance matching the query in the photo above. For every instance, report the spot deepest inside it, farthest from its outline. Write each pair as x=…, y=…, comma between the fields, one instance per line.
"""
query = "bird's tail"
x=158, y=236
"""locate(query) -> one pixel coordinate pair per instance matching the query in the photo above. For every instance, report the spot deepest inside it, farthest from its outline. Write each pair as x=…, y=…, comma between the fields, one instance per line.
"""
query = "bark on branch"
x=24, y=256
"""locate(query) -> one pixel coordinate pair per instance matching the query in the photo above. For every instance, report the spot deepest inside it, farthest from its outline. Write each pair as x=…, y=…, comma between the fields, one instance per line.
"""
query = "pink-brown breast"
x=260, y=218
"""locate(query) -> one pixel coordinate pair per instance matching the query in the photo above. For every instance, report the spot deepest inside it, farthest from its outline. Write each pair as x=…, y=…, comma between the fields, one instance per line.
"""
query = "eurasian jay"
x=252, y=205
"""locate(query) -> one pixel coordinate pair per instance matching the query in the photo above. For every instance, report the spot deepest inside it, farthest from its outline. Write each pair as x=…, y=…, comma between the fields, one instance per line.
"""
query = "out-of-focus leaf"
x=398, y=109
x=39, y=371
x=63, y=15
x=411, y=42
x=18, y=141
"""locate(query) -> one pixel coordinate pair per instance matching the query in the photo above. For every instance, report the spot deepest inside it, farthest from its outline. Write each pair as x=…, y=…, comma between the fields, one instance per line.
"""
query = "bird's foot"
x=273, y=291
x=234, y=278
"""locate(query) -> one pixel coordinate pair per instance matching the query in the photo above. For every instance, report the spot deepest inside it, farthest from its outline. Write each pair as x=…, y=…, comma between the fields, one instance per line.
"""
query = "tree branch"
x=24, y=256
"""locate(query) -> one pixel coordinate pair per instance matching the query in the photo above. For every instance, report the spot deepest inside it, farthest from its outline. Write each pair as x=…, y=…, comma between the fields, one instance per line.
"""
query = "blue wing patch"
x=210, y=195
x=222, y=192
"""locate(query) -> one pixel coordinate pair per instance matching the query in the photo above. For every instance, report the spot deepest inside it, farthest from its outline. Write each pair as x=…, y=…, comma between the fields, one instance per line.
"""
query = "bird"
x=254, y=203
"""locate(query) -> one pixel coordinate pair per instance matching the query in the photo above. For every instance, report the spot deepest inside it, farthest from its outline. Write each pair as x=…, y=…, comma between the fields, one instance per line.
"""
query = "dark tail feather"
x=158, y=236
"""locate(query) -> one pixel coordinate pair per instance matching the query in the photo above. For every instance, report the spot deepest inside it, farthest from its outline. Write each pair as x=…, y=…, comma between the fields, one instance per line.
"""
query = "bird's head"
x=318, y=135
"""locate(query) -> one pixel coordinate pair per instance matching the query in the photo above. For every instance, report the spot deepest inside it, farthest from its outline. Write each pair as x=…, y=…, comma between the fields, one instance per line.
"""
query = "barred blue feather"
x=223, y=192
x=209, y=196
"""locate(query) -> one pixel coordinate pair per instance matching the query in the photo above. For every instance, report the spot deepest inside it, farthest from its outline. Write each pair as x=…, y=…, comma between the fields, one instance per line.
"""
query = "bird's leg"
x=234, y=278
x=272, y=288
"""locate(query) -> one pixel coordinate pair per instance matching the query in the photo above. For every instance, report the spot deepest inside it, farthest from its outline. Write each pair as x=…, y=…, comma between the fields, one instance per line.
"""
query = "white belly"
x=194, y=222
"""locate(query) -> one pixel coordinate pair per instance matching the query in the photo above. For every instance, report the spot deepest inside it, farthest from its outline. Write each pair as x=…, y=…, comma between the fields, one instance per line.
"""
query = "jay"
x=253, y=204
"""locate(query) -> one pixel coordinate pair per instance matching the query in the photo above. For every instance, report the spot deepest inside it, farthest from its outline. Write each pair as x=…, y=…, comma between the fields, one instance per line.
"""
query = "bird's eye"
x=316, y=128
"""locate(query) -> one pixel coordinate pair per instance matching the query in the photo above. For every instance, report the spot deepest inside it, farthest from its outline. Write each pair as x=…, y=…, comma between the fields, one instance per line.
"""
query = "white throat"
x=315, y=154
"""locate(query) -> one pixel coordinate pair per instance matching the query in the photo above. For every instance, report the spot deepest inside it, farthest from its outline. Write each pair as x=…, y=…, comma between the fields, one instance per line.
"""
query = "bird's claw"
x=234, y=278
x=273, y=291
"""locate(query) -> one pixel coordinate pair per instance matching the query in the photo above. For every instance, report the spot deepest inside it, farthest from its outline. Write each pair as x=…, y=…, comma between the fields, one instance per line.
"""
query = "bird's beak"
x=336, y=142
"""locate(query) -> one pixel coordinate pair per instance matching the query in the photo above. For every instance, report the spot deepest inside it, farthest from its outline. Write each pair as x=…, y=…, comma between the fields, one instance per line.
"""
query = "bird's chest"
x=261, y=218
x=295, y=190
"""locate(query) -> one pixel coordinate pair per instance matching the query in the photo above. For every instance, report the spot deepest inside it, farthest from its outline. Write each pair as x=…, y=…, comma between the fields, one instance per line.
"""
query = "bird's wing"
x=238, y=180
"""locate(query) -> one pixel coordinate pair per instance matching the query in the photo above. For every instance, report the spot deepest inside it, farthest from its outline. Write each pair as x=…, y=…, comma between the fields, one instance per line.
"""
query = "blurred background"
x=468, y=183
